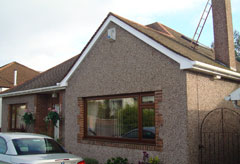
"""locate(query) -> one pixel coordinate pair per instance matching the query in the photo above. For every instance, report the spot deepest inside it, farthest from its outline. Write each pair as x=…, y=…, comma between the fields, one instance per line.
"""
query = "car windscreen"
x=28, y=146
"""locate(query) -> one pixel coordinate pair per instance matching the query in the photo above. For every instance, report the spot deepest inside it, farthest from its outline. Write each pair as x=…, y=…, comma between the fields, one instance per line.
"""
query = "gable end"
x=184, y=62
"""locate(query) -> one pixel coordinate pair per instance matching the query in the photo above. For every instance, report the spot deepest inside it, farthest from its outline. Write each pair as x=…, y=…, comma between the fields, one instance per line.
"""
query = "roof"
x=166, y=40
x=7, y=74
x=175, y=41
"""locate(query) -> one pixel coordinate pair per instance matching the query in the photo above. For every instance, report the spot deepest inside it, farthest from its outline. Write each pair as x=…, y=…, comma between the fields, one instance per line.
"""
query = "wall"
x=1, y=90
x=42, y=103
x=128, y=65
x=204, y=95
x=62, y=117
x=39, y=104
x=29, y=100
x=0, y=113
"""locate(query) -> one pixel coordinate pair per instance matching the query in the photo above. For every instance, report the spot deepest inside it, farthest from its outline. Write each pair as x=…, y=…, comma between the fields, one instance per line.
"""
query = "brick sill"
x=139, y=146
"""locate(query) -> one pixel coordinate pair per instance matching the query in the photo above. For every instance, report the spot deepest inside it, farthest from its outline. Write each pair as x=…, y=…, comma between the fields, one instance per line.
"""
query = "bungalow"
x=138, y=88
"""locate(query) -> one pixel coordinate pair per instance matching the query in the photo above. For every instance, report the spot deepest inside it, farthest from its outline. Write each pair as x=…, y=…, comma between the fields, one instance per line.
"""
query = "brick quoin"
x=81, y=119
x=158, y=122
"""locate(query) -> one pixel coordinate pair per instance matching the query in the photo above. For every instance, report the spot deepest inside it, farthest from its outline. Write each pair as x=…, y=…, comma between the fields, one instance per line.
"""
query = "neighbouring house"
x=138, y=88
x=13, y=74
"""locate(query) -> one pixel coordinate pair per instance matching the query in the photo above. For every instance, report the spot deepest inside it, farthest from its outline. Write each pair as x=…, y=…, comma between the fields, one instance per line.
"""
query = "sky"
x=43, y=33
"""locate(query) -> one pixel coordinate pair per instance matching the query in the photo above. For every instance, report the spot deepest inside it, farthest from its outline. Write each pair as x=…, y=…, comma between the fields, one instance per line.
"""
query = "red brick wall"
x=158, y=122
x=42, y=104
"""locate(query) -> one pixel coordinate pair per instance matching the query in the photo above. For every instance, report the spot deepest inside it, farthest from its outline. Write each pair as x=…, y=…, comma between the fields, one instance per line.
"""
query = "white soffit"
x=32, y=91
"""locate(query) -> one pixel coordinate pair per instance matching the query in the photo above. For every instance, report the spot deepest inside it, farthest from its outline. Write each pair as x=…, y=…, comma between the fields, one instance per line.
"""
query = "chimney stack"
x=223, y=33
x=15, y=78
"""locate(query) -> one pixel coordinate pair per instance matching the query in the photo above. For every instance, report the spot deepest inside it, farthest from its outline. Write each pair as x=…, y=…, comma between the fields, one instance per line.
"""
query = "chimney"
x=223, y=33
x=15, y=78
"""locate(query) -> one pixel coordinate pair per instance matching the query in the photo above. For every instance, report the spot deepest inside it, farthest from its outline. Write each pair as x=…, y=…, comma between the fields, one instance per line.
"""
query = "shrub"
x=117, y=160
x=149, y=160
x=28, y=117
x=52, y=116
x=90, y=161
x=154, y=160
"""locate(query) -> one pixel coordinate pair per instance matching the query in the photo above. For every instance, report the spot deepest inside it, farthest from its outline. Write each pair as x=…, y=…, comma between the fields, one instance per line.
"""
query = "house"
x=13, y=74
x=138, y=88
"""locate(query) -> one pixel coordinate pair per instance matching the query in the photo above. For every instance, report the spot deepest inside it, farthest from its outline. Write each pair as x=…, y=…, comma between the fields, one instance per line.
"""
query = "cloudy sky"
x=43, y=33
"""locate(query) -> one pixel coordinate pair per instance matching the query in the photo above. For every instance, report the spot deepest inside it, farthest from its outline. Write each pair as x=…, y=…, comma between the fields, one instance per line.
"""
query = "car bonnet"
x=65, y=158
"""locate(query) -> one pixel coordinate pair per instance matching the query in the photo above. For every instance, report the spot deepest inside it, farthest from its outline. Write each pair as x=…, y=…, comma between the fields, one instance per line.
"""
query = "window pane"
x=148, y=123
x=16, y=117
x=3, y=146
x=20, y=112
x=148, y=99
x=112, y=117
x=13, y=118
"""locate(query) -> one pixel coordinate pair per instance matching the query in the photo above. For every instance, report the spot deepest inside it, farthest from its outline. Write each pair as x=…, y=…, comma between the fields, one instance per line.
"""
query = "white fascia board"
x=196, y=65
x=184, y=62
x=32, y=91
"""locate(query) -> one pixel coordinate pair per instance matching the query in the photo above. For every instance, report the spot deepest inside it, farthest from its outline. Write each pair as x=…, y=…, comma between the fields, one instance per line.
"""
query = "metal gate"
x=220, y=137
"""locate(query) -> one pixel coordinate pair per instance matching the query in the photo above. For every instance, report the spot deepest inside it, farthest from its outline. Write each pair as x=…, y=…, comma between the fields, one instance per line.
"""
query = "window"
x=121, y=117
x=16, y=113
x=3, y=146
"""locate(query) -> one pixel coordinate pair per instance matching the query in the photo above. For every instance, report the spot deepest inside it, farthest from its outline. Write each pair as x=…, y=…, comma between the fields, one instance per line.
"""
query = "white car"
x=27, y=148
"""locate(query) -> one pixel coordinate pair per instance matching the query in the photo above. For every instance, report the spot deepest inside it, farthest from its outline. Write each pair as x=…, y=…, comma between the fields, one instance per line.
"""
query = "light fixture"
x=217, y=77
x=54, y=95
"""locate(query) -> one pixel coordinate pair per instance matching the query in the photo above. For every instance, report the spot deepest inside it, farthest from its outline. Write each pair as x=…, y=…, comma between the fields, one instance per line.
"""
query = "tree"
x=236, y=37
x=237, y=43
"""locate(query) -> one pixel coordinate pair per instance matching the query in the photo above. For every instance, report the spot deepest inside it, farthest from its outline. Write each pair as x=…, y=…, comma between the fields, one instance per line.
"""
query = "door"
x=56, y=128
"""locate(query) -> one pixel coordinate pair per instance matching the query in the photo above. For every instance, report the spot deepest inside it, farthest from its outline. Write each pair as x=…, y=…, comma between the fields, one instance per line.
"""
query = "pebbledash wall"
x=124, y=66
x=204, y=95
